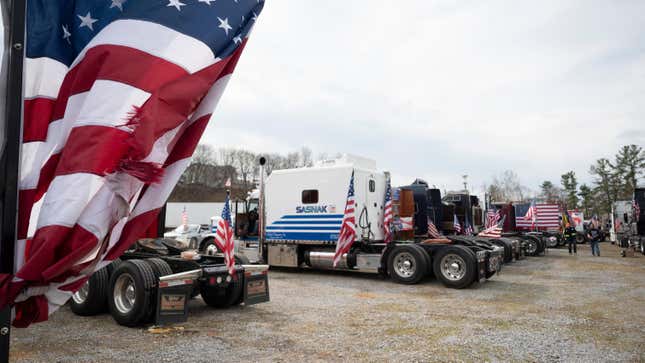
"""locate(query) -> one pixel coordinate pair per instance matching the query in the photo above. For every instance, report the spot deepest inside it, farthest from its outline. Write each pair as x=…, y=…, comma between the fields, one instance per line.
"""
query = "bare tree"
x=306, y=158
x=245, y=162
x=202, y=159
x=274, y=162
x=506, y=187
x=226, y=157
x=291, y=161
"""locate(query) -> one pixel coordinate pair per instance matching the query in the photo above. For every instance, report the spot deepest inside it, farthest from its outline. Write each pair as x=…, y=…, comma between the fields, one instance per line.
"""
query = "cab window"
x=372, y=186
x=310, y=196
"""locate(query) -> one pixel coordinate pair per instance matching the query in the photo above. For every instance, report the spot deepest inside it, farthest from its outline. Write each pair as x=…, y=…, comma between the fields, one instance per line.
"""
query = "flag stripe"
x=154, y=39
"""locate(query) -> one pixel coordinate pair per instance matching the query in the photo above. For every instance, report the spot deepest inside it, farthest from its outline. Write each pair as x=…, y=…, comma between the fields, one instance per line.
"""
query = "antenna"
x=465, y=176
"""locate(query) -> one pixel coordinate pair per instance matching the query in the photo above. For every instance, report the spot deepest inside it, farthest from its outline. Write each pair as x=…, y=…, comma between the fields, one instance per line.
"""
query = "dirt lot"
x=550, y=308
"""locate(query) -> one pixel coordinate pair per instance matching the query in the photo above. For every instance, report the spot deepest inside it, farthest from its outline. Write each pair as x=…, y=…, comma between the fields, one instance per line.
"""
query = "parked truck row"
x=300, y=211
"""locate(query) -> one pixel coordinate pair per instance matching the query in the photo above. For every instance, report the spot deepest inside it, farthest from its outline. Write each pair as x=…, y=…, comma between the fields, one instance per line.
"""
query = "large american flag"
x=543, y=216
x=531, y=214
x=347, y=233
x=388, y=216
x=117, y=94
x=224, y=236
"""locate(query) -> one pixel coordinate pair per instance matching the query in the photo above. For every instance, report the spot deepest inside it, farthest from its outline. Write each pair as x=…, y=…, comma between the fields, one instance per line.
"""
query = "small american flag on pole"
x=433, y=232
x=347, y=233
x=494, y=231
x=387, y=214
x=468, y=228
x=184, y=218
x=407, y=223
x=456, y=224
x=224, y=237
x=492, y=217
x=637, y=210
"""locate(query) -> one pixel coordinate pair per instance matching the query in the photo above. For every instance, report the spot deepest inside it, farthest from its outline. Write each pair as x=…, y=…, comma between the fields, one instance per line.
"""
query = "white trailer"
x=303, y=211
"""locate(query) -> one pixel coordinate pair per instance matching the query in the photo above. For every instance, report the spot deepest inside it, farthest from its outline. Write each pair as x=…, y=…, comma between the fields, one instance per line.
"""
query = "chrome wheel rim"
x=80, y=296
x=124, y=293
x=453, y=267
x=405, y=264
x=211, y=249
x=532, y=247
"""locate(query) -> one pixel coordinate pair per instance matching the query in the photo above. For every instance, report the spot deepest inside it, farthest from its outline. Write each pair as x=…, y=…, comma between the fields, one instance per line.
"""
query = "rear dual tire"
x=223, y=297
x=91, y=298
x=455, y=266
x=131, y=296
x=407, y=264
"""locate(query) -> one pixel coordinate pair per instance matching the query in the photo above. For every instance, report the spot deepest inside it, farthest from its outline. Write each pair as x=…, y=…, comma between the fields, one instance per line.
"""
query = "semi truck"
x=628, y=221
x=300, y=216
x=154, y=279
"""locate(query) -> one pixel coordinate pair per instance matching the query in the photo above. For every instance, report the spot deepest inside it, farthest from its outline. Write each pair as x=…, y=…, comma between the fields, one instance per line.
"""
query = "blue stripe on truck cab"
x=312, y=228
x=301, y=236
x=313, y=216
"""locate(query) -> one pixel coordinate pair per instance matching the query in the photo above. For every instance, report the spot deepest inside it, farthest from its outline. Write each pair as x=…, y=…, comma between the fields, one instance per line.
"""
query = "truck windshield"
x=253, y=204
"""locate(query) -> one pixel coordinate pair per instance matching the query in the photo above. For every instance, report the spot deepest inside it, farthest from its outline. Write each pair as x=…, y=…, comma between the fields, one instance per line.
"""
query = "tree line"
x=613, y=179
x=210, y=168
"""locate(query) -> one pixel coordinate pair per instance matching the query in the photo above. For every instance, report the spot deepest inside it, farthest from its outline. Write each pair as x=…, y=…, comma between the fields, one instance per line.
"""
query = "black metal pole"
x=10, y=160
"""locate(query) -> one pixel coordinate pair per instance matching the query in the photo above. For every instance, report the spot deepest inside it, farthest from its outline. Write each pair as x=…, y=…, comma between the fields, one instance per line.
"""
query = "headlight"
x=228, y=278
x=219, y=279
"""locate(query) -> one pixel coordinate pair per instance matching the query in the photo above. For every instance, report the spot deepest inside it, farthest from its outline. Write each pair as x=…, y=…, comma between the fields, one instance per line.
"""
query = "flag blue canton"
x=350, y=193
x=60, y=29
x=388, y=192
x=226, y=212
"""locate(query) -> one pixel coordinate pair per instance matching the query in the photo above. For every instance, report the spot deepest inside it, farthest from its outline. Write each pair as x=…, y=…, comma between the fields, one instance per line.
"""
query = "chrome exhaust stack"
x=262, y=211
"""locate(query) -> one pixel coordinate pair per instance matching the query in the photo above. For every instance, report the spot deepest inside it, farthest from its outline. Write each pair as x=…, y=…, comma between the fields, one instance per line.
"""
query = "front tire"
x=580, y=239
x=531, y=247
x=455, y=267
x=209, y=248
x=407, y=264
x=91, y=298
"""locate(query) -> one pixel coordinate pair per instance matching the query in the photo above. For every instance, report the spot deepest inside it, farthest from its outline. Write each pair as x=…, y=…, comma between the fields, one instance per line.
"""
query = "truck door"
x=374, y=198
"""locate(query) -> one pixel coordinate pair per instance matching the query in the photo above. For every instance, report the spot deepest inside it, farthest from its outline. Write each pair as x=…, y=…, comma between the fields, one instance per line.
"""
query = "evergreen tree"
x=629, y=165
x=587, y=199
x=549, y=192
x=606, y=182
x=570, y=186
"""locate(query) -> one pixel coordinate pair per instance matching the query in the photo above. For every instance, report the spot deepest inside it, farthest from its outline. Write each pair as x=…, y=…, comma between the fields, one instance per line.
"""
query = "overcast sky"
x=437, y=89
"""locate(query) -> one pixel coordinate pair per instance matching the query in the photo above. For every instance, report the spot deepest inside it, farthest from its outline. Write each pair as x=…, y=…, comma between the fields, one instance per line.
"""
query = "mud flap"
x=256, y=287
x=172, y=301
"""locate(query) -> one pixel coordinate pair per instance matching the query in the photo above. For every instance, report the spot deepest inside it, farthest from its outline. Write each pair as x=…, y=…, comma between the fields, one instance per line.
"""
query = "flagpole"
x=10, y=161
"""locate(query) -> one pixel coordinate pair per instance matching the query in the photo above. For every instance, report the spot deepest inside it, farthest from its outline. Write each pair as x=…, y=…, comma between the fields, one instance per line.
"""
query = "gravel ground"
x=550, y=308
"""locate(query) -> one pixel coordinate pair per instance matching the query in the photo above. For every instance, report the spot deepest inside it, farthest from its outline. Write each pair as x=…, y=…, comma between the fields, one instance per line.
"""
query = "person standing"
x=570, y=237
x=593, y=234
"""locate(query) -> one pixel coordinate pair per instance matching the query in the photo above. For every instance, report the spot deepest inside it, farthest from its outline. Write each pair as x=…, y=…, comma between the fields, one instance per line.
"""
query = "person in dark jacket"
x=569, y=236
x=594, y=236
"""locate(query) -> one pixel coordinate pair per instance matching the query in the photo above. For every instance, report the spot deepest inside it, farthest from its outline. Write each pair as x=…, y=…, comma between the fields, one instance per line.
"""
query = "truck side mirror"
x=262, y=160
